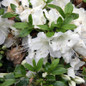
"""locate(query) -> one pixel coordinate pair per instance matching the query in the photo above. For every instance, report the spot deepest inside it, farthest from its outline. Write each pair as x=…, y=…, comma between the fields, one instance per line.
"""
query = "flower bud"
x=66, y=77
x=72, y=83
x=79, y=80
x=44, y=74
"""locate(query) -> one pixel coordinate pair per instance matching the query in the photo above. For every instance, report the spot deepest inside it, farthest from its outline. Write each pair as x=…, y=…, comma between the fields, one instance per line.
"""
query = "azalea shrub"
x=42, y=43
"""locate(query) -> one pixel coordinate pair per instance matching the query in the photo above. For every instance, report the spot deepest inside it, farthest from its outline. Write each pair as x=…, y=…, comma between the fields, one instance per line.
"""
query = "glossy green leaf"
x=43, y=27
x=13, y=7
x=59, y=71
x=9, y=15
x=24, y=32
x=20, y=25
x=69, y=8
x=59, y=83
x=34, y=63
x=19, y=71
x=70, y=17
x=1, y=11
x=49, y=34
x=50, y=78
x=30, y=19
x=29, y=67
x=24, y=81
x=59, y=9
x=8, y=82
x=54, y=64
x=68, y=27
x=39, y=64
x=48, y=1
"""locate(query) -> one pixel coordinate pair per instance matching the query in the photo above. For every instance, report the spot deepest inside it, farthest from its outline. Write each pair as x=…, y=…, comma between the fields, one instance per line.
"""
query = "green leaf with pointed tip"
x=8, y=82
x=25, y=32
x=30, y=19
x=70, y=17
x=44, y=27
x=20, y=25
x=54, y=64
x=48, y=1
x=19, y=71
x=59, y=71
x=1, y=11
x=9, y=15
x=69, y=8
x=13, y=7
x=50, y=34
x=59, y=9
x=59, y=83
x=68, y=27
x=34, y=63
x=59, y=22
x=39, y=64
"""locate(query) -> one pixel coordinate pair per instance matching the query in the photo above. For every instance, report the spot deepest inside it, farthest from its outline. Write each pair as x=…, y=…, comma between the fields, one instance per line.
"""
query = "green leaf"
x=48, y=1
x=59, y=83
x=84, y=1
x=9, y=76
x=50, y=78
x=34, y=63
x=9, y=15
x=13, y=7
x=49, y=34
x=71, y=17
x=59, y=22
x=1, y=11
x=19, y=71
x=24, y=32
x=20, y=25
x=59, y=71
x=30, y=19
x=54, y=64
x=1, y=57
x=59, y=9
x=39, y=64
x=24, y=81
x=43, y=27
x=68, y=27
x=1, y=64
x=8, y=82
x=69, y=8
x=29, y=67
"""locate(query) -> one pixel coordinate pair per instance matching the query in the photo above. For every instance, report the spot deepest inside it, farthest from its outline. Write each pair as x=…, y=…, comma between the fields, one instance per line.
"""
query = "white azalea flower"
x=60, y=3
x=79, y=80
x=4, y=25
x=52, y=15
x=44, y=74
x=37, y=15
x=24, y=15
x=36, y=3
x=25, y=3
x=82, y=16
x=80, y=48
x=39, y=48
x=8, y=2
x=71, y=72
x=64, y=43
x=66, y=77
x=72, y=83
x=76, y=63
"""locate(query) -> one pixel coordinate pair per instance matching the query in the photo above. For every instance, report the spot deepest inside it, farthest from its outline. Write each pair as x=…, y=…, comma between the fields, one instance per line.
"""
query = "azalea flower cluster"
x=69, y=45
